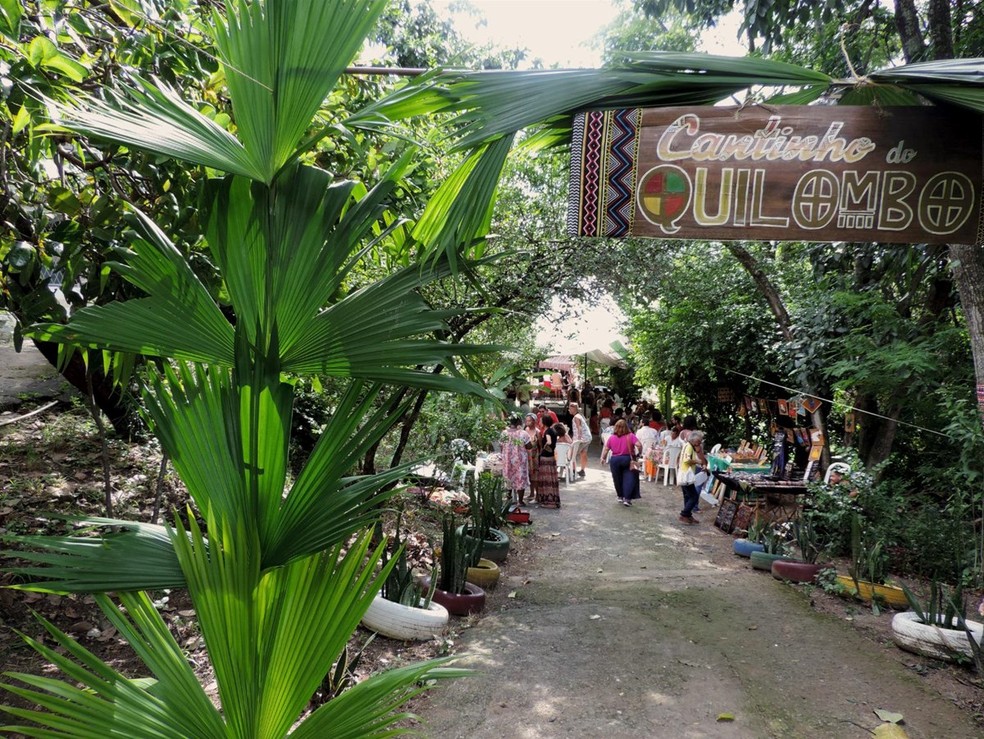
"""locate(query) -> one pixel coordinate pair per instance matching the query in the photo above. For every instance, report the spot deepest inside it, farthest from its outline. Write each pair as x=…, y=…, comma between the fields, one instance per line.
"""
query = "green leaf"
x=178, y=130
x=178, y=320
x=281, y=61
x=66, y=66
x=10, y=13
x=40, y=49
x=21, y=120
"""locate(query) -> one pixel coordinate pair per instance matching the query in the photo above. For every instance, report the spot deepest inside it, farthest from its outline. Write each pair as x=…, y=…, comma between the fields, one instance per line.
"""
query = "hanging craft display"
x=849, y=423
x=783, y=407
x=793, y=408
x=812, y=405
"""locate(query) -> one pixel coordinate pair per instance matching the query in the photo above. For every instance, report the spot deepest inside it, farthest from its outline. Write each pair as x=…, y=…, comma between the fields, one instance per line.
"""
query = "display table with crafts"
x=747, y=490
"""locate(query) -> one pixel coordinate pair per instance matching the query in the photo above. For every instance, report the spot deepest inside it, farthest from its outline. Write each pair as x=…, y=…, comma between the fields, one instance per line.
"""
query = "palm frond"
x=460, y=212
x=176, y=684
x=222, y=584
x=309, y=610
x=108, y=703
x=283, y=250
x=281, y=60
x=138, y=556
x=195, y=413
x=178, y=320
x=369, y=709
x=372, y=334
x=324, y=506
x=153, y=118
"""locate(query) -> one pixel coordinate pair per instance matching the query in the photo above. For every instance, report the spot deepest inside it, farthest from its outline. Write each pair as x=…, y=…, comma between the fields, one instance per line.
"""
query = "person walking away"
x=691, y=457
x=515, y=459
x=621, y=449
x=547, y=487
x=582, y=438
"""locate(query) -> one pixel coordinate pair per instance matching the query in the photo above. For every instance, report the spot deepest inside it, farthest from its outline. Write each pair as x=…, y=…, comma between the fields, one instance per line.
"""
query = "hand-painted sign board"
x=795, y=173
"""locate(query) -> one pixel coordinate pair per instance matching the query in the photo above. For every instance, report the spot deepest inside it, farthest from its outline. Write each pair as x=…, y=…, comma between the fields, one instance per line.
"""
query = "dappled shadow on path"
x=629, y=624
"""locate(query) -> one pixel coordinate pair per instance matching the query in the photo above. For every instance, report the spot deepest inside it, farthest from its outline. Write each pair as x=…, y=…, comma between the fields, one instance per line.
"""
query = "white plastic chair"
x=715, y=449
x=565, y=461
x=842, y=467
x=669, y=464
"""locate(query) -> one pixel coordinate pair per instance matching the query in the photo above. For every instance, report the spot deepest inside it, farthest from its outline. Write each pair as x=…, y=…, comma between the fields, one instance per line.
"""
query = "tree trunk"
x=883, y=438
x=109, y=398
x=910, y=31
x=765, y=287
x=778, y=308
x=968, y=272
x=940, y=29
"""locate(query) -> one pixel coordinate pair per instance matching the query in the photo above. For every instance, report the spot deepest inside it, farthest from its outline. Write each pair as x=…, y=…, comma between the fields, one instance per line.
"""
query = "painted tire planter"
x=470, y=601
x=888, y=595
x=912, y=635
x=763, y=560
x=496, y=548
x=744, y=547
x=485, y=574
x=795, y=571
x=398, y=621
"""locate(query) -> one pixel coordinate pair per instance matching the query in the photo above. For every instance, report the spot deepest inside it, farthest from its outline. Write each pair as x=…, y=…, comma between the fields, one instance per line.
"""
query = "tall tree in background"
x=932, y=31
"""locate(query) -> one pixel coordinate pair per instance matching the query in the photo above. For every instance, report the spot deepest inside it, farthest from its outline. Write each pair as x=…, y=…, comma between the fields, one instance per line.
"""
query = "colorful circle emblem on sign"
x=664, y=196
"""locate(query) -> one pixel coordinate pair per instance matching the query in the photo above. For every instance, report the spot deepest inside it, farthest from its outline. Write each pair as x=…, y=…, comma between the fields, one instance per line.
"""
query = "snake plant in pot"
x=869, y=568
x=938, y=627
x=807, y=537
x=487, y=508
x=454, y=591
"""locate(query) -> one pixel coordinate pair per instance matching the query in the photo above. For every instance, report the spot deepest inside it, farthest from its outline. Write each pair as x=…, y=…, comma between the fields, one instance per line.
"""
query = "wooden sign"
x=804, y=173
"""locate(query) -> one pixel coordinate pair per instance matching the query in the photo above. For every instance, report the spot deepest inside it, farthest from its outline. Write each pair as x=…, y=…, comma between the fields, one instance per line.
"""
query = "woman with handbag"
x=692, y=462
x=623, y=448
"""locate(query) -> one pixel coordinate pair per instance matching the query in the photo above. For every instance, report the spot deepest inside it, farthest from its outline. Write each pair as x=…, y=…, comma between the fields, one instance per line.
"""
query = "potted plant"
x=807, y=536
x=745, y=547
x=453, y=591
x=486, y=508
x=773, y=540
x=868, y=570
x=939, y=628
x=403, y=609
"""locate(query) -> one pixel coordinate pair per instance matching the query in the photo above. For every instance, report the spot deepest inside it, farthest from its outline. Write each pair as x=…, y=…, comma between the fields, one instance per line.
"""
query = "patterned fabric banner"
x=604, y=157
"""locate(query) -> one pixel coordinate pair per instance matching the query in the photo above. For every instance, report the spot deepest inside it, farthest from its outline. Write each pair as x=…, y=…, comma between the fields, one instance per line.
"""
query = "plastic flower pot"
x=744, y=547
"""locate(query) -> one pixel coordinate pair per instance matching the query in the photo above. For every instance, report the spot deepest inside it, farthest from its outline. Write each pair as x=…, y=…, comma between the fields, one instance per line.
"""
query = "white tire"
x=398, y=621
x=912, y=635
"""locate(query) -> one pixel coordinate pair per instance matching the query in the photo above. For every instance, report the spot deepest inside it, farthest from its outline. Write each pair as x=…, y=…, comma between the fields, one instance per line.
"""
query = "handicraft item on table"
x=726, y=515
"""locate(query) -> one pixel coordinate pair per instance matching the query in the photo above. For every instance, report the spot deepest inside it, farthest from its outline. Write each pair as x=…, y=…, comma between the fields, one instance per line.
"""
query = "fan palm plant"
x=279, y=576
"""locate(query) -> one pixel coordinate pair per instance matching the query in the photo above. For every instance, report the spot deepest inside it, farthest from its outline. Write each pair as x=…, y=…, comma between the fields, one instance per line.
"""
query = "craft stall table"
x=745, y=494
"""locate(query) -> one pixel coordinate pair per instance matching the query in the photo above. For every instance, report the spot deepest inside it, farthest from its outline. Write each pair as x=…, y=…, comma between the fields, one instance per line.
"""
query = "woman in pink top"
x=621, y=448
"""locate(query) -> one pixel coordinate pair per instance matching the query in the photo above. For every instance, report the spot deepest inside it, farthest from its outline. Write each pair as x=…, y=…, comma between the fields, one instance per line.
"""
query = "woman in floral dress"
x=515, y=462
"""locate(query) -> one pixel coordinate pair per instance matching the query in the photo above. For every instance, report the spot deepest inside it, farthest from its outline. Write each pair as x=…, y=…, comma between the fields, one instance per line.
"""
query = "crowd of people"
x=529, y=447
x=635, y=439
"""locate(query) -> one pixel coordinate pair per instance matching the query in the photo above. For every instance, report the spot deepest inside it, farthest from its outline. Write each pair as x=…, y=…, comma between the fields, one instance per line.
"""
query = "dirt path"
x=24, y=373
x=628, y=624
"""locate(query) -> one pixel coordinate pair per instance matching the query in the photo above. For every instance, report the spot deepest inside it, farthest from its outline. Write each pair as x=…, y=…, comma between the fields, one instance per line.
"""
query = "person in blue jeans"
x=621, y=448
x=691, y=456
